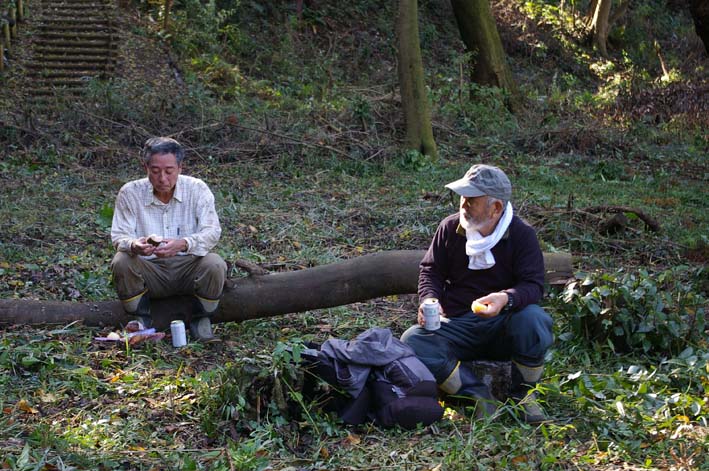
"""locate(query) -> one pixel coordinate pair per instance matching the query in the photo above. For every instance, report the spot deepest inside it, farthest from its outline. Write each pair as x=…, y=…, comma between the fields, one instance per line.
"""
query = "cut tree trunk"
x=257, y=296
x=414, y=99
x=479, y=33
x=700, y=14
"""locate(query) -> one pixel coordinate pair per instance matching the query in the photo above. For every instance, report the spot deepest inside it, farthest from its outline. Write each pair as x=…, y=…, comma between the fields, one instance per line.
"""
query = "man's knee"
x=211, y=276
x=431, y=349
x=122, y=262
x=531, y=317
x=531, y=329
x=127, y=276
x=214, y=265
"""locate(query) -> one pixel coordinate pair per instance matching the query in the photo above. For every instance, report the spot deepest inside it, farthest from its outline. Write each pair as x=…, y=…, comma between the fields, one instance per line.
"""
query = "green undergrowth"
x=68, y=400
x=84, y=405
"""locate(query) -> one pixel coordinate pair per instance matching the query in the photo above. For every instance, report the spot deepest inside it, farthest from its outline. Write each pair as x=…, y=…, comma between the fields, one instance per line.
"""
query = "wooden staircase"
x=74, y=42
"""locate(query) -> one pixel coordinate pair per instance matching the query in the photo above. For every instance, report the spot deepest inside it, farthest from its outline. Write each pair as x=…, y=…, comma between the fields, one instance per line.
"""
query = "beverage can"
x=179, y=337
x=431, y=316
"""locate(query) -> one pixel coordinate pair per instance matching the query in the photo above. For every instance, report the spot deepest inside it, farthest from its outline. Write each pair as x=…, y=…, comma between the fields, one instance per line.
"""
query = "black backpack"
x=405, y=394
x=402, y=392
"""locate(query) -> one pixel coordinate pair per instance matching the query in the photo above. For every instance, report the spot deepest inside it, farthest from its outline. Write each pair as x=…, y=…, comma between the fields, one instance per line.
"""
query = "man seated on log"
x=164, y=227
x=484, y=259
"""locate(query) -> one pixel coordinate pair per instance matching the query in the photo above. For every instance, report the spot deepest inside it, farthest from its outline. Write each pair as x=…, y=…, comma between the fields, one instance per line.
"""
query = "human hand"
x=495, y=303
x=142, y=247
x=421, y=320
x=170, y=248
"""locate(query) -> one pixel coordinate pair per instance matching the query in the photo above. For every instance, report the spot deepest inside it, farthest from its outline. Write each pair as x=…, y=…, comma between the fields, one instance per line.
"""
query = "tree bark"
x=591, y=12
x=257, y=296
x=166, y=12
x=700, y=14
x=479, y=33
x=599, y=26
x=414, y=99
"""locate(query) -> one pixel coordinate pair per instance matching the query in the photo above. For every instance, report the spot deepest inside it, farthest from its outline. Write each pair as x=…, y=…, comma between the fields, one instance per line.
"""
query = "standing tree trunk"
x=414, y=99
x=700, y=14
x=600, y=24
x=166, y=15
x=479, y=33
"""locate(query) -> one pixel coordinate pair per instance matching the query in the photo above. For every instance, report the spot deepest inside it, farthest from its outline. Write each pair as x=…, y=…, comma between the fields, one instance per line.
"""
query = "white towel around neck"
x=478, y=247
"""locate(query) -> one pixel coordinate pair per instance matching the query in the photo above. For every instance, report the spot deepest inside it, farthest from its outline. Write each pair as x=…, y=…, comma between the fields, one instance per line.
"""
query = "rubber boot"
x=463, y=382
x=200, y=324
x=139, y=307
x=524, y=380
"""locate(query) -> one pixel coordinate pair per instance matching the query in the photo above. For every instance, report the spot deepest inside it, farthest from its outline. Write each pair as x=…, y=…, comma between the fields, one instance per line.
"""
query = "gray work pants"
x=164, y=277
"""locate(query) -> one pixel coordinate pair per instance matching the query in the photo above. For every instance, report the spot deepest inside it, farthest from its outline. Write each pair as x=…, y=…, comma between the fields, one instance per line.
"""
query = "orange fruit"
x=478, y=307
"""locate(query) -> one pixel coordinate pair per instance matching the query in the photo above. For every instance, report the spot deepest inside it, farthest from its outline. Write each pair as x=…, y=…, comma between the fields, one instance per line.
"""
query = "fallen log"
x=258, y=295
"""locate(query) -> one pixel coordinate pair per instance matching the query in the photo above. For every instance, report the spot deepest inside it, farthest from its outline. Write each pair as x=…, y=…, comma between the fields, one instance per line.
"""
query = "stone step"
x=71, y=64
x=74, y=21
x=77, y=35
x=58, y=51
x=83, y=27
x=70, y=15
x=66, y=43
x=66, y=73
x=98, y=3
x=71, y=82
x=74, y=8
x=49, y=91
x=54, y=6
x=75, y=41
x=65, y=10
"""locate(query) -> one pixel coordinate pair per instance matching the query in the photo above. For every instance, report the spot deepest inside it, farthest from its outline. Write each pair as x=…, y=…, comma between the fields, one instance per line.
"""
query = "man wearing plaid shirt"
x=180, y=210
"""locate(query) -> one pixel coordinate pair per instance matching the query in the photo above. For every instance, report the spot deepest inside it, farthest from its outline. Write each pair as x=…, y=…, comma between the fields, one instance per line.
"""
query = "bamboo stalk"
x=6, y=34
x=20, y=10
x=13, y=18
x=2, y=56
x=166, y=15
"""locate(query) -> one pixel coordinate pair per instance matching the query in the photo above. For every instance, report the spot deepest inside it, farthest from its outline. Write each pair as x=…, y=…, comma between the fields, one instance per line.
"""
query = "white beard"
x=469, y=225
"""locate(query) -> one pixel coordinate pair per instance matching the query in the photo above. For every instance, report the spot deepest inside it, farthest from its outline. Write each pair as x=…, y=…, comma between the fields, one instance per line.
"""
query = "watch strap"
x=510, y=302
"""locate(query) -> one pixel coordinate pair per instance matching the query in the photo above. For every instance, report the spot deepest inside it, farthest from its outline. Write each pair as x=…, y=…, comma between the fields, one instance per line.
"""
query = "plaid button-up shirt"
x=189, y=215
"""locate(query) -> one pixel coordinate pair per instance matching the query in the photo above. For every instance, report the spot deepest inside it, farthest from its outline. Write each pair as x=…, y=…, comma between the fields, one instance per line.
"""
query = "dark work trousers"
x=523, y=336
x=163, y=277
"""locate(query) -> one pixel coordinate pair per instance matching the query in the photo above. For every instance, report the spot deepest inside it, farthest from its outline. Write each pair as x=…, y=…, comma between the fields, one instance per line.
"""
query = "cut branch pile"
x=662, y=104
x=629, y=235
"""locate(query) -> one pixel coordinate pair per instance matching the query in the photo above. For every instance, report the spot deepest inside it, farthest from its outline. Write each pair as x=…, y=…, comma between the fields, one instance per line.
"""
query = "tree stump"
x=497, y=375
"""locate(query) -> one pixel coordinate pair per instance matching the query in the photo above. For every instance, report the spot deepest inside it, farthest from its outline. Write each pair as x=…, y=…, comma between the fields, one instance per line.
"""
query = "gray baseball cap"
x=481, y=180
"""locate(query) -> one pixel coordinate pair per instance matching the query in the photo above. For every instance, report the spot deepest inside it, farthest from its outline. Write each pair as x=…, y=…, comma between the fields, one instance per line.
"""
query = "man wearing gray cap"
x=485, y=267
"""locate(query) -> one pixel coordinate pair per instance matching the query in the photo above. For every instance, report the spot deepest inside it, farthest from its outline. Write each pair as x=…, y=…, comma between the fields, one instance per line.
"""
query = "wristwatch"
x=510, y=303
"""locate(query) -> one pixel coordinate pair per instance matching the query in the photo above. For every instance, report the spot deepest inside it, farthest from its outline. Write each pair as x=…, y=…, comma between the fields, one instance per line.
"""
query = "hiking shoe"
x=532, y=412
x=484, y=409
x=139, y=323
x=201, y=329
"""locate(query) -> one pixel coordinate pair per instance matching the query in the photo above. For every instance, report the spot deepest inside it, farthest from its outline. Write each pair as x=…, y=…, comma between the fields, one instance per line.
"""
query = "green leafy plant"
x=415, y=160
x=230, y=395
x=636, y=311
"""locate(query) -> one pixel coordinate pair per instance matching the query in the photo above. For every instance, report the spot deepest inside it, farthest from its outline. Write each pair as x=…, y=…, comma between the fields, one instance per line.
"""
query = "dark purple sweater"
x=518, y=269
